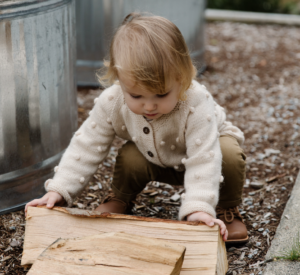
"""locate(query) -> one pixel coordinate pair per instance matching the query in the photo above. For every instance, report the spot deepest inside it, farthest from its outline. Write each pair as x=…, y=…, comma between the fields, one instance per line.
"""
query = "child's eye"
x=135, y=96
x=162, y=95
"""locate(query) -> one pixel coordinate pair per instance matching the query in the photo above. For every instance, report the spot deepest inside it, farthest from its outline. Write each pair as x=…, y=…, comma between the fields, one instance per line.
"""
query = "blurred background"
x=274, y=6
x=96, y=22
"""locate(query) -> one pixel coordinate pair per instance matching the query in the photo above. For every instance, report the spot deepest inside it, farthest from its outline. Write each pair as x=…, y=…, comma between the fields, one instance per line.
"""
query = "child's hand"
x=208, y=220
x=49, y=199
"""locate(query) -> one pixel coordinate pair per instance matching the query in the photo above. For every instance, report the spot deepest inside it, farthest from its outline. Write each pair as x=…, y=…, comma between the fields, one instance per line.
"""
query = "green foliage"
x=293, y=253
x=277, y=6
x=290, y=6
x=253, y=5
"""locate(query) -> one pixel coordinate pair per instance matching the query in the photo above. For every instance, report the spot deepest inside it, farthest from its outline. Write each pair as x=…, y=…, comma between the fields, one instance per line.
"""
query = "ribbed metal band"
x=36, y=168
x=14, y=208
x=25, y=8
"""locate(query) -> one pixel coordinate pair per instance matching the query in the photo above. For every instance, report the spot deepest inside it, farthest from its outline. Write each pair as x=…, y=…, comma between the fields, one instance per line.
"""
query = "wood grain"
x=204, y=247
x=110, y=253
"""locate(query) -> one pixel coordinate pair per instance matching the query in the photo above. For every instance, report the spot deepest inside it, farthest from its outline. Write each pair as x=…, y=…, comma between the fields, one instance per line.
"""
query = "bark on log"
x=111, y=254
x=205, y=250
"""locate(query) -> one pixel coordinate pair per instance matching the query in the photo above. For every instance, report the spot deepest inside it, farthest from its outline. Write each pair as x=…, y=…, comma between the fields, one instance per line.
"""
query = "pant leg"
x=133, y=171
x=234, y=172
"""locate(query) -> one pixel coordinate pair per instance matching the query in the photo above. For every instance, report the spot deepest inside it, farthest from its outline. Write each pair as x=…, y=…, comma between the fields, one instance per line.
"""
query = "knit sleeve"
x=88, y=147
x=226, y=127
x=204, y=159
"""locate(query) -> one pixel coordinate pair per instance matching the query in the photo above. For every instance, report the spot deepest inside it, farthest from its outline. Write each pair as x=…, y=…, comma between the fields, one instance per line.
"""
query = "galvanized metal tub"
x=96, y=21
x=38, y=112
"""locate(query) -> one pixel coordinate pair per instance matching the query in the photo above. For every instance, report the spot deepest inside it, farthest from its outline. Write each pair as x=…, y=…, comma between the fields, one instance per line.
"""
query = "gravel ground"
x=253, y=71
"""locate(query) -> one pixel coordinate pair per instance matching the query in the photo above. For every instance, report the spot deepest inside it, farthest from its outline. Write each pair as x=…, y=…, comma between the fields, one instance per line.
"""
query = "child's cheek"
x=133, y=106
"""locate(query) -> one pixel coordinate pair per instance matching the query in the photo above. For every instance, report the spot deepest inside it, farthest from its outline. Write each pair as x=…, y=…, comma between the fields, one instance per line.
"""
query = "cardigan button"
x=150, y=154
x=146, y=130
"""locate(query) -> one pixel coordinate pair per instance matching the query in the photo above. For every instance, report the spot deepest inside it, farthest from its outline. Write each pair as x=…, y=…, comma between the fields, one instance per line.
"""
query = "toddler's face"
x=143, y=102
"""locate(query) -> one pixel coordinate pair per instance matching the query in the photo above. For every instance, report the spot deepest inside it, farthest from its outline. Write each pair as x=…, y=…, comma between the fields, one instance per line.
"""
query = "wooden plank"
x=44, y=226
x=222, y=263
x=110, y=253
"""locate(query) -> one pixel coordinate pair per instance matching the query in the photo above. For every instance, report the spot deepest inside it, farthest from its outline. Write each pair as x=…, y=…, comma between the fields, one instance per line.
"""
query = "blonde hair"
x=152, y=51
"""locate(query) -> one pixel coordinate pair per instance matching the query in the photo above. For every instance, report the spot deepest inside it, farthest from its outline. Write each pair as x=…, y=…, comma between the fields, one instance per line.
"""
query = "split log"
x=110, y=253
x=205, y=250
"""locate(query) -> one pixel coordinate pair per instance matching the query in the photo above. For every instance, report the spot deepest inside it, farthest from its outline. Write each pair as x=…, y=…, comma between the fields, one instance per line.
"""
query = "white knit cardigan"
x=188, y=136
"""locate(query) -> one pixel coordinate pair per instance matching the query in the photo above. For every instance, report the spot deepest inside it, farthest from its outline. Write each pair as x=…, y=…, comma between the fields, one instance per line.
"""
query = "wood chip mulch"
x=253, y=71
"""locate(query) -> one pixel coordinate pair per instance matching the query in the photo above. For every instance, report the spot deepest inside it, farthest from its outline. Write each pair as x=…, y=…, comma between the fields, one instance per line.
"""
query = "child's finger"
x=222, y=226
x=208, y=221
x=32, y=203
x=51, y=202
x=226, y=235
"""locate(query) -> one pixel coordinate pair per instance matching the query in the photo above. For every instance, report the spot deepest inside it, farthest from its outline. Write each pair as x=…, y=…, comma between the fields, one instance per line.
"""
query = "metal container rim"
x=29, y=7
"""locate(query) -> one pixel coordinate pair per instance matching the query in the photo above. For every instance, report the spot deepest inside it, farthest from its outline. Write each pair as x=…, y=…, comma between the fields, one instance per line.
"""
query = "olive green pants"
x=133, y=171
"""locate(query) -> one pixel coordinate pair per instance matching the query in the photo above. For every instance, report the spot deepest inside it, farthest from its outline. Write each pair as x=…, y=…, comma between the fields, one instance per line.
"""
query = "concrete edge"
x=287, y=230
x=251, y=17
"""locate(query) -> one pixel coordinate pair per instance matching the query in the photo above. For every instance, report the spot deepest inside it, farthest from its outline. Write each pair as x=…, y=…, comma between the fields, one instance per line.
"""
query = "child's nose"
x=149, y=106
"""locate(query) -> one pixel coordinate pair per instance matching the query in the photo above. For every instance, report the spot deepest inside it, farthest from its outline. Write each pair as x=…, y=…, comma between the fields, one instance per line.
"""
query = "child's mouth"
x=151, y=115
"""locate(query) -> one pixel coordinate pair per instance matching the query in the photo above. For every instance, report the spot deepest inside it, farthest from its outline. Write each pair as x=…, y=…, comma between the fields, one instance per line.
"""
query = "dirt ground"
x=253, y=71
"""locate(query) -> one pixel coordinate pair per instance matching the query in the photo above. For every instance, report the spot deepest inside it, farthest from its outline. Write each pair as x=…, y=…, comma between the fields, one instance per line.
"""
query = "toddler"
x=176, y=133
